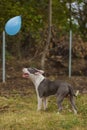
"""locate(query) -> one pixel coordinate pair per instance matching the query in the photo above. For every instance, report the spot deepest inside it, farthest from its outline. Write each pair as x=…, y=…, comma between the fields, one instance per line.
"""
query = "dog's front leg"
x=45, y=103
x=39, y=103
x=39, y=100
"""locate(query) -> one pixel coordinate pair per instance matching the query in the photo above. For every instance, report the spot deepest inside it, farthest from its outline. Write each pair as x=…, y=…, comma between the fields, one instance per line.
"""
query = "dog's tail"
x=77, y=93
x=72, y=92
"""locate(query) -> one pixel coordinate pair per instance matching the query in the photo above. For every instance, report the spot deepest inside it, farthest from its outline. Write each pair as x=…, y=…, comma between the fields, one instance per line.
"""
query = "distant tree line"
x=35, y=20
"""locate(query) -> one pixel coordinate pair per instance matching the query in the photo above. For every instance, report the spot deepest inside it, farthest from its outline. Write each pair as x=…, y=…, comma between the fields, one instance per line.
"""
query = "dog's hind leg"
x=73, y=104
x=59, y=102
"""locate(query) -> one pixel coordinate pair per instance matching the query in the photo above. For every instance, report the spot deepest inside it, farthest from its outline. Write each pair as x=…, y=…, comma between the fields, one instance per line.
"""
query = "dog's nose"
x=23, y=69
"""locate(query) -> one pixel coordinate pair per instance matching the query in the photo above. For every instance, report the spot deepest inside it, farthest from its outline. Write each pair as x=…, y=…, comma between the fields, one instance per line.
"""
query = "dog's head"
x=29, y=72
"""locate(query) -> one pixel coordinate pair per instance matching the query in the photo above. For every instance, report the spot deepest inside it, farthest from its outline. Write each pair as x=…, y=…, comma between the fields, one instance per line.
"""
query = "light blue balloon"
x=13, y=25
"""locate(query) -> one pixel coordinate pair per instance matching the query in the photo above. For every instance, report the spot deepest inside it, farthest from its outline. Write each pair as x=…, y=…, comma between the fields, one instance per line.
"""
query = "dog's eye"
x=32, y=70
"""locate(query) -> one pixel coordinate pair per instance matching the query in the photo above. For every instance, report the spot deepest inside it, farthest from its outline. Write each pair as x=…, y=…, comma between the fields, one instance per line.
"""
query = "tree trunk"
x=49, y=35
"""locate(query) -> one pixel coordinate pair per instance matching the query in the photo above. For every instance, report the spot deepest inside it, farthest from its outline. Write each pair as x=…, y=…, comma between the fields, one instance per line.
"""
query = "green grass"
x=18, y=112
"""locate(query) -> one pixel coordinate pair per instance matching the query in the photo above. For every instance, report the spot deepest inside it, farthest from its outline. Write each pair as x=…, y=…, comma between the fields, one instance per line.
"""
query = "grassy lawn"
x=18, y=112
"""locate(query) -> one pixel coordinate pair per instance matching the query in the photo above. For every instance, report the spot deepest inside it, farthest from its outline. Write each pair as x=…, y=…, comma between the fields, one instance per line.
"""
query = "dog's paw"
x=75, y=112
x=58, y=113
x=38, y=109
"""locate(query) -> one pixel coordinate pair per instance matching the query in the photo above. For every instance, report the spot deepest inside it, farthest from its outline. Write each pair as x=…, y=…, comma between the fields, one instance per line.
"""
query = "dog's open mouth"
x=25, y=75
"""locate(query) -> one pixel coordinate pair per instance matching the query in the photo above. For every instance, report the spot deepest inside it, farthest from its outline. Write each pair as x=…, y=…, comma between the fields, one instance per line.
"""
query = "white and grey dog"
x=44, y=88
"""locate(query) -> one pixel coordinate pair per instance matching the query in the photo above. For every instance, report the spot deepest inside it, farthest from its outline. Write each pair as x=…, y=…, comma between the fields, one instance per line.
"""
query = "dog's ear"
x=39, y=72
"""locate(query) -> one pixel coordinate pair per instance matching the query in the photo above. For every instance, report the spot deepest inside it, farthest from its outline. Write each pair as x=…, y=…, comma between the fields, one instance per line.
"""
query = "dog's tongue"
x=25, y=75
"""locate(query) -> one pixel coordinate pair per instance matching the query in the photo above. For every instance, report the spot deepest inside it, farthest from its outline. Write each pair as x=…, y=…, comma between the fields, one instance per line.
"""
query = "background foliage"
x=35, y=20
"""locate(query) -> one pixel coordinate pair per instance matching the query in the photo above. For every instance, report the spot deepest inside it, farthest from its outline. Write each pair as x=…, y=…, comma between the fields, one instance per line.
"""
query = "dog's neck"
x=37, y=80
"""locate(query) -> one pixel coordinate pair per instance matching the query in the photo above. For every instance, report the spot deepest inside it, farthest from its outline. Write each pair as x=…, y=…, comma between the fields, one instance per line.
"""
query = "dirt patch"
x=15, y=81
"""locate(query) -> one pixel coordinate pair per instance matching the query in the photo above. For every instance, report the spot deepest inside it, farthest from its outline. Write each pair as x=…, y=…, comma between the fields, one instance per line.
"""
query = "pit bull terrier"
x=45, y=87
